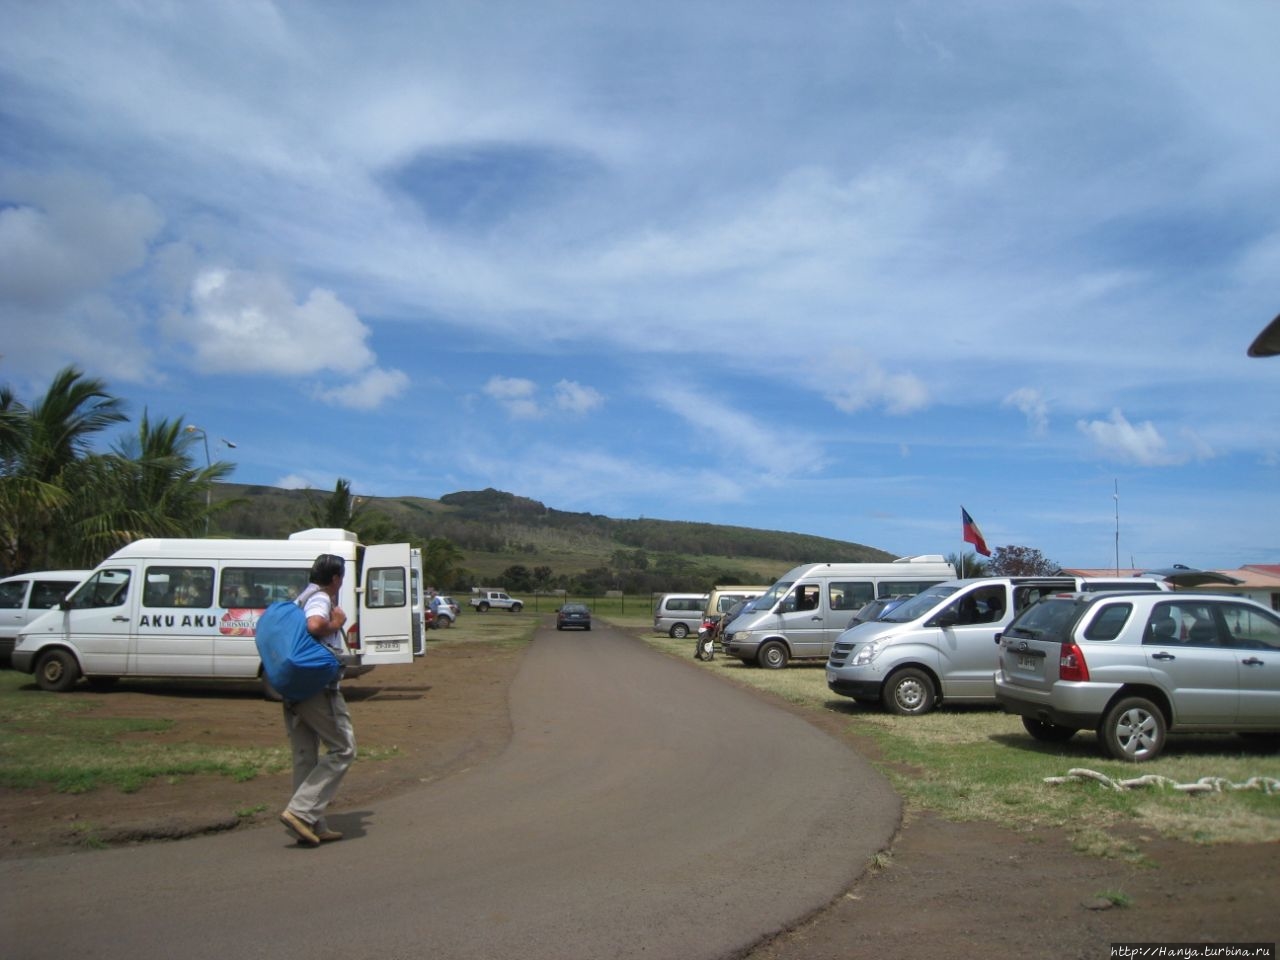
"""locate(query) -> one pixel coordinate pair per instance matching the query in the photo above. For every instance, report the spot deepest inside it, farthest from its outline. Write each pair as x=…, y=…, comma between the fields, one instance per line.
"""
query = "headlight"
x=741, y=637
x=870, y=651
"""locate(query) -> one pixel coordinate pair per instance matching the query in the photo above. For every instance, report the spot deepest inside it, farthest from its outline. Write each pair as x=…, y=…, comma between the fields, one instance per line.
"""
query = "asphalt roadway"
x=643, y=809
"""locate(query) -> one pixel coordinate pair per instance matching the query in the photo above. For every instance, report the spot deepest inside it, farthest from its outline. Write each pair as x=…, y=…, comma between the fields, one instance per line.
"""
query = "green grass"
x=968, y=763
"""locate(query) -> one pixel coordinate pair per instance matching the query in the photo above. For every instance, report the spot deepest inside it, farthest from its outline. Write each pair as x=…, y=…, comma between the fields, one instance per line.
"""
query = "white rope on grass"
x=1268, y=785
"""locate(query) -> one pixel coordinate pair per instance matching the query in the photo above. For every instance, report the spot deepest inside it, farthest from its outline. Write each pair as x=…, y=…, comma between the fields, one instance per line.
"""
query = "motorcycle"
x=705, y=647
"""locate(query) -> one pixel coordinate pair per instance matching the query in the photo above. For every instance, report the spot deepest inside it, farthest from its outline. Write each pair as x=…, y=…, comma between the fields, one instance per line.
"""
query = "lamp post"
x=208, y=462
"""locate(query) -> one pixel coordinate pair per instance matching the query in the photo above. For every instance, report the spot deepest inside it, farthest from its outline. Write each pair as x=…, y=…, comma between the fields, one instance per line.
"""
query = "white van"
x=801, y=615
x=940, y=644
x=679, y=614
x=188, y=608
x=25, y=596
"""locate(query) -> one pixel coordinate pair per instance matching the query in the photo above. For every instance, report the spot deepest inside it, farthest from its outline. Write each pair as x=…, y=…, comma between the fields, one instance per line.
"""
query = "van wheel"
x=57, y=671
x=679, y=631
x=773, y=655
x=1047, y=732
x=1133, y=730
x=908, y=693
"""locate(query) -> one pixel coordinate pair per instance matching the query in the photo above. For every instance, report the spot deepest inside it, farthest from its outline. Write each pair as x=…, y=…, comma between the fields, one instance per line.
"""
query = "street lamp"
x=208, y=462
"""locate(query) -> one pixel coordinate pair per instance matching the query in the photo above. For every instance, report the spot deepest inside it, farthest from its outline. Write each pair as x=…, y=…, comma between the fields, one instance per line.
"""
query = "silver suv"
x=1137, y=667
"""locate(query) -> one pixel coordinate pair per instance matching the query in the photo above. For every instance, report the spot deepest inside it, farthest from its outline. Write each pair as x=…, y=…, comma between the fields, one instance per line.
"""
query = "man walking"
x=320, y=719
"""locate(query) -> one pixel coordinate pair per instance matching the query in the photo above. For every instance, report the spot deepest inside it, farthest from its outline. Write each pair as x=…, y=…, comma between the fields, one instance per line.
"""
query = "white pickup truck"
x=497, y=599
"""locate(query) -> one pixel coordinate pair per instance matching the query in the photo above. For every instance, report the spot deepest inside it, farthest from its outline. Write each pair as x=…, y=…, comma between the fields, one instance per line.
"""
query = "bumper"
x=23, y=660
x=859, y=689
x=743, y=650
x=1079, y=706
x=6, y=649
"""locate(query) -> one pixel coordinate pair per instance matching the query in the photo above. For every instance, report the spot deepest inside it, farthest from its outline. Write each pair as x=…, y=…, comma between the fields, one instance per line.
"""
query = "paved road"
x=642, y=809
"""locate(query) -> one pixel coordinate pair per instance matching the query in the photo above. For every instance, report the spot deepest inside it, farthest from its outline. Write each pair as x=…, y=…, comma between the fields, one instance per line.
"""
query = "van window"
x=806, y=596
x=850, y=595
x=106, y=588
x=178, y=587
x=47, y=594
x=11, y=594
x=898, y=588
x=385, y=587
x=257, y=587
x=920, y=604
x=684, y=603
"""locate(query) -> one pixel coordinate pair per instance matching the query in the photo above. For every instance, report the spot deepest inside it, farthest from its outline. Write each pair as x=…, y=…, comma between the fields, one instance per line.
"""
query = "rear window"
x=1049, y=619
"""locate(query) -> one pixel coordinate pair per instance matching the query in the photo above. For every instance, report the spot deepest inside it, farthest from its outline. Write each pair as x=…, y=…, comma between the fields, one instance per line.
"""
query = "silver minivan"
x=801, y=615
x=25, y=596
x=940, y=644
x=679, y=614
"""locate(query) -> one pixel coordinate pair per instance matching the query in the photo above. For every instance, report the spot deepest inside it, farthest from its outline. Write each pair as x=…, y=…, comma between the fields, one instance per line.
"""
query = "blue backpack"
x=297, y=664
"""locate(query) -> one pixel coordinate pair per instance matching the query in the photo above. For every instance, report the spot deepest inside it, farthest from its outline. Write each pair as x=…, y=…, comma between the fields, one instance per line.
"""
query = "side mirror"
x=999, y=637
x=945, y=620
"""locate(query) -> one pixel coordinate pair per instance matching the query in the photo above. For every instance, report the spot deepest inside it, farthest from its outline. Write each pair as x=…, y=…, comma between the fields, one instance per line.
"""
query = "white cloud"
x=575, y=398
x=368, y=391
x=516, y=394
x=775, y=451
x=1118, y=439
x=1032, y=404
x=249, y=322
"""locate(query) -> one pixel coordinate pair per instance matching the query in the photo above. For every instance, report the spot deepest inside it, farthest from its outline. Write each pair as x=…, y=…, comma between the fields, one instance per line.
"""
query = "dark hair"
x=326, y=567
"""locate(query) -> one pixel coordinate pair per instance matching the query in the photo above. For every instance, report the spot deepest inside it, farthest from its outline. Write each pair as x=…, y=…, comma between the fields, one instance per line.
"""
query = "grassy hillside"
x=495, y=530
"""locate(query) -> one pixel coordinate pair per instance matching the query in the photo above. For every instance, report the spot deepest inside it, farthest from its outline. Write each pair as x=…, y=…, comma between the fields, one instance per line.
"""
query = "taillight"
x=353, y=637
x=1071, y=665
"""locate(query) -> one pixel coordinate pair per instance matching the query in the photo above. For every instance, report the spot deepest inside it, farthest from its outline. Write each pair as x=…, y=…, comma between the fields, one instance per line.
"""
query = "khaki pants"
x=321, y=719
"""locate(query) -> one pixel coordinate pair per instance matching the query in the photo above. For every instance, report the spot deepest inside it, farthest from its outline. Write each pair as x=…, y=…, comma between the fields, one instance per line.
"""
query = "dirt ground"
x=955, y=890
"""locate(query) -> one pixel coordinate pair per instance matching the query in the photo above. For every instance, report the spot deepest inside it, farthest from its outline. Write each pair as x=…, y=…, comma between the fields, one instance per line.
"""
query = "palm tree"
x=148, y=486
x=40, y=448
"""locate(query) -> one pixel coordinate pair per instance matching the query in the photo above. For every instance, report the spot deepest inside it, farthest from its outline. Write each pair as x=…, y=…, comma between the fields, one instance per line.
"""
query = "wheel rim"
x=909, y=694
x=53, y=670
x=1137, y=732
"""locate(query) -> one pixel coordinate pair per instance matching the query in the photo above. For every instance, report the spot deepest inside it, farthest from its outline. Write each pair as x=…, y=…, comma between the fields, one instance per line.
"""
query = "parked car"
x=937, y=645
x=452, y=604
x=25, y=596
x=573, y=615
x=679, y=614
x=1137, y=667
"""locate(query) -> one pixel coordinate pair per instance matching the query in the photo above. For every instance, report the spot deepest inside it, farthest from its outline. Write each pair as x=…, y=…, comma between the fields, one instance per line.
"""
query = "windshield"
x=920, y=604
x=773, y=595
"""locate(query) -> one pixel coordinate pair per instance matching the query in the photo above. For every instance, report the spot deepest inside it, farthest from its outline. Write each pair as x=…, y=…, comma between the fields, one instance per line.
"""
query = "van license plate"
x=1027, y=663
x=386, y=645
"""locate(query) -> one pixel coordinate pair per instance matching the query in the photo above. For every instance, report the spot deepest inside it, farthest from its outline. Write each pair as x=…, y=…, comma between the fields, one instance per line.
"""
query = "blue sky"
x=836, y=268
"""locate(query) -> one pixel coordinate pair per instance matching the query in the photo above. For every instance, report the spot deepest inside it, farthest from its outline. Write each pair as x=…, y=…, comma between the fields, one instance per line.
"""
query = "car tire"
x=517, y=607
x=773, y=655
x=909, y=693
x=1047, y=732
x=679, y=631
x=57, y=671
x=483, y=608
x=1134, y=730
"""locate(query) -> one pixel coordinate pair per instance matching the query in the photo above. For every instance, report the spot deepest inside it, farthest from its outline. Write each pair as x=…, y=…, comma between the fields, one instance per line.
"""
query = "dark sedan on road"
x=573, y=615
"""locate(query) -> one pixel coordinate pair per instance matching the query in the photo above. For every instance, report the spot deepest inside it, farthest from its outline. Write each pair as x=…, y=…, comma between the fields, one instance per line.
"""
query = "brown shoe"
x=328, y=836
x=299, y=828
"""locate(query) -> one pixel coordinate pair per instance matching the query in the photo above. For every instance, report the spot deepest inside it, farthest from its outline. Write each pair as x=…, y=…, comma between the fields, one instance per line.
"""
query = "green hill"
x=495, y=531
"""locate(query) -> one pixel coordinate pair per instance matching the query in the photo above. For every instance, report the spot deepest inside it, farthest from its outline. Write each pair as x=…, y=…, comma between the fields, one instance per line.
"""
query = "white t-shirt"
x=320, y=604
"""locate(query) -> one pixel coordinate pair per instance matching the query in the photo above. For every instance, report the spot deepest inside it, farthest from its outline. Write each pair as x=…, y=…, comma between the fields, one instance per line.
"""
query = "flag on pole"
x=972, y=534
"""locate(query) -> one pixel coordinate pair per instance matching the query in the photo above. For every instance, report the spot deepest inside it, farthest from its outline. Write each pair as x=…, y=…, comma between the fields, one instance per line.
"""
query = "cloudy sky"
x=829, y=267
